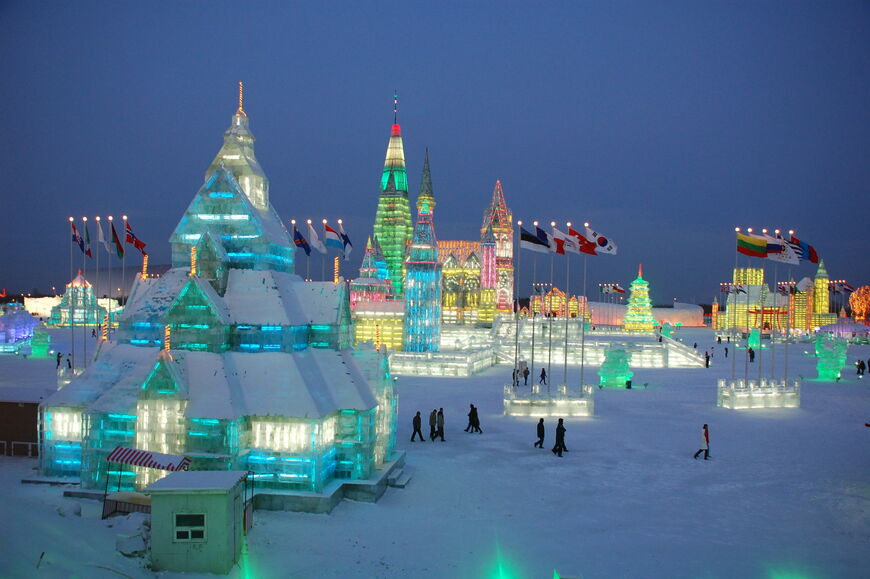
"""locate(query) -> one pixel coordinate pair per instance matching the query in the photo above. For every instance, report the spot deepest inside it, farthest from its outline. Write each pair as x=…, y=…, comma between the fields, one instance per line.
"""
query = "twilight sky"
x=665, y=125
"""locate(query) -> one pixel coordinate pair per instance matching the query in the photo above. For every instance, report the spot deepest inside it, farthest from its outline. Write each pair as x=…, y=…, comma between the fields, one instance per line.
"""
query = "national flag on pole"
x=780, y=251
x=533, y=242
x=88, y=242
x=76, y=237
x=101, y=238
x=333, y=239
x=566, y=242
x=585, y=245
x=601, y=241
x=619, y=289
x=737, y=289
x=314, y=239
x=804, y=284
x=301, y=241
x=808, y=252
x=131, y=238
x=345, y=240
x=842, y=287
x=119, y=247
x=605, y=289
x=751, y=245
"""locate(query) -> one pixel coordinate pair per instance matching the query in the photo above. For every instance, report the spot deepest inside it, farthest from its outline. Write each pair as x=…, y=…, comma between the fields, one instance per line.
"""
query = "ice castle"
x=229, y=358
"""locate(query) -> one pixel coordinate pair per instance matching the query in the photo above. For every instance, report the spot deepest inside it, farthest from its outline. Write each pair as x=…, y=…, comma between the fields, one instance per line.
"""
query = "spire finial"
x=640, y=270
x=395, y=107
x=241, y=110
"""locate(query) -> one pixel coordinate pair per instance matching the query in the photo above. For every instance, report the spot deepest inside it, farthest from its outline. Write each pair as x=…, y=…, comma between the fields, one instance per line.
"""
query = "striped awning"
x=134, y=456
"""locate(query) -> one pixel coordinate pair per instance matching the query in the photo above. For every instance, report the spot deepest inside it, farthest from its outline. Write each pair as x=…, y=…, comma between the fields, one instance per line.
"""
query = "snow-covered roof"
x=320, y=300
x=197, y=480
x=111, y=383
x=264, y=297
x=312, y=383
x=150, y=298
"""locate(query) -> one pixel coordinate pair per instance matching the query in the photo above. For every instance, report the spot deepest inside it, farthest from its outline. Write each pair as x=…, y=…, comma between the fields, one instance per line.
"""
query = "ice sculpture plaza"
x=231, y=360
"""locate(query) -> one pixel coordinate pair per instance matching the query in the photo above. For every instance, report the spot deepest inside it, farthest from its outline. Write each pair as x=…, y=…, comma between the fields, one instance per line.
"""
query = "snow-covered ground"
x=785, y=494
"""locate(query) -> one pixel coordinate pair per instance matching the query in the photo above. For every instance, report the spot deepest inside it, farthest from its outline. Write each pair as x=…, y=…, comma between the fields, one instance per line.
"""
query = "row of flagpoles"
x=112, y=244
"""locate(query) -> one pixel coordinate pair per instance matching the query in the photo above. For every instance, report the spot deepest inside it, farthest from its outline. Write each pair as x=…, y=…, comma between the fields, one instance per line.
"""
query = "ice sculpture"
x=614, y=371
x=667, y=330
x=229, y=358
x=831, y=354
x=40, y=342
x=638, y=315
x=422, y=325
x=754, y=340
x=740, y=394
x=16, y=326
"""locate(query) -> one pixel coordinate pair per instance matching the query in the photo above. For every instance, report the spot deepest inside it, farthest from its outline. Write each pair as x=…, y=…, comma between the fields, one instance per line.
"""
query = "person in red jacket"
x=705, y=444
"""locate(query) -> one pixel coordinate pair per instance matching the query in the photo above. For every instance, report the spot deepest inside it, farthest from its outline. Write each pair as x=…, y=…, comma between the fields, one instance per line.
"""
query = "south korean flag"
x=603, y=244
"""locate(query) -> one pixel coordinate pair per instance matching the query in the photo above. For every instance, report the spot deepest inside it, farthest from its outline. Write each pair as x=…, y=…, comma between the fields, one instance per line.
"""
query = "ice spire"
x=393, y=218
x=237, y=154
x=426, y=199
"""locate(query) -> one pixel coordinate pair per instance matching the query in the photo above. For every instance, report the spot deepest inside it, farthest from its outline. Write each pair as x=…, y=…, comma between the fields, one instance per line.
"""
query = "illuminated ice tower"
x=821, y=292
x=422, y=331
x=488, y=276
x=393, y=217
x=499, y=218
x=638, y=316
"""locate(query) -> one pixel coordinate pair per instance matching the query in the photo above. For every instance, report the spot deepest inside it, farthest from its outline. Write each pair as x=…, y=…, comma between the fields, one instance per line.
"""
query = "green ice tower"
x=638, y=316
x=393, y=218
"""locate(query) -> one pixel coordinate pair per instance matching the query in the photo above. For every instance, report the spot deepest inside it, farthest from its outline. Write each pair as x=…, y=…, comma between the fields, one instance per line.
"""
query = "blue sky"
x=665, y=125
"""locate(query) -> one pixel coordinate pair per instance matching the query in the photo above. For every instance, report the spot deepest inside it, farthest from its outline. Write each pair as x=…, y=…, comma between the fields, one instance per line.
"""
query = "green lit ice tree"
x=638, y=317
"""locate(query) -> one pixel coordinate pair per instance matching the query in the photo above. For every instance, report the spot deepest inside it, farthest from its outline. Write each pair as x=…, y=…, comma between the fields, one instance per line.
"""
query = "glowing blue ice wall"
x=253, y=238
x=422, y=323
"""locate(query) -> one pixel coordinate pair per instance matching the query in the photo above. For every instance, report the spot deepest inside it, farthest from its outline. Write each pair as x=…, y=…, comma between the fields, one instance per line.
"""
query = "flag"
x=808, y=252
x=751, y=245
x=348, y=246
x=101, y=238
x=119, y=247
x=736, y=289
x=131, y=238
x=804, y=284
x=332, y=238
x=586, y=246
x=780, y=251
x=76, y=237
x=314, y=239
x=567, y=242
x=88, y=242
x=602, y=243
x=301, y=241
x=842, y=287
x=605, y=289
x=533, y=242
x=619, y=289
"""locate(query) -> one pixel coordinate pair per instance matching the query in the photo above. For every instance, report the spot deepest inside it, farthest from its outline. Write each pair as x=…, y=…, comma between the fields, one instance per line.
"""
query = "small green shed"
x=197, y=521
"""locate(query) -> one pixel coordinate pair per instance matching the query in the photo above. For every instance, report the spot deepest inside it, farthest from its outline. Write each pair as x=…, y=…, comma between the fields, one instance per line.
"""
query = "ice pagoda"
x=422, y=332
x=78, y=306
x=229, y=358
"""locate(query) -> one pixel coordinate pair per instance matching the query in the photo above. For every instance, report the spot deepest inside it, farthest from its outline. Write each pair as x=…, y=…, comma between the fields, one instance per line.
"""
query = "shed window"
x=189, y=527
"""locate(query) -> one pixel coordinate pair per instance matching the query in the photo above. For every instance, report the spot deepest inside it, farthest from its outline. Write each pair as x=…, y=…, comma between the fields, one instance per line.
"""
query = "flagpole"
x=531, y=306
x=72, y=307
x=734, y=316
x=583, y=324
x=550, y=314
x=516, y=381
x=97, y=285
x=746, y=316
x=323, y=256
x=567, y=313
x=111, y=300
x=85, y=317
x=123, y=261
x=788, y=317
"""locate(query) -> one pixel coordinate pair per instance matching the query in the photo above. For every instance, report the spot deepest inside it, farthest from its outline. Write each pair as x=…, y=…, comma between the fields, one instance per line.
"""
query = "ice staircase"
x=398, y=478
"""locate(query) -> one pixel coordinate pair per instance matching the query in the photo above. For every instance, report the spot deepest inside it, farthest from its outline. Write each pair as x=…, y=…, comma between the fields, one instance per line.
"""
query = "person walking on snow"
x=59, y=358
x=705, y=444
x=526, y=375
x=543, y=378
x=540, y=443
x=433, y=421
x=417, y=423
x=474, y=421
x=560, y=438
x=440, y=422
x=706, y=359
x=751, y=353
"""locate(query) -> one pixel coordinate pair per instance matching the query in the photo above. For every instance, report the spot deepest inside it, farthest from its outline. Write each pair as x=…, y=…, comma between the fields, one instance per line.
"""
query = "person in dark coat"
x=59, y=358
x=560, y=438
x=526, y=375
x=705, y=444
x=543, y=378
x=474, y=420
x=751, y=353
x=706, y=359
x=417, y=422
x=440, y=423
x=69, y=361
x=726, y=351
x=433, y=421
x=540, y=443
x=471, y=414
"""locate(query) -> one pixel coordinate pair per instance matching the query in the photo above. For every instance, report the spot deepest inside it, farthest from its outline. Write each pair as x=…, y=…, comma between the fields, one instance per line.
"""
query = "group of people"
x=436, y=425
x=68, y=360
x=542, y=379
x=559, y=447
